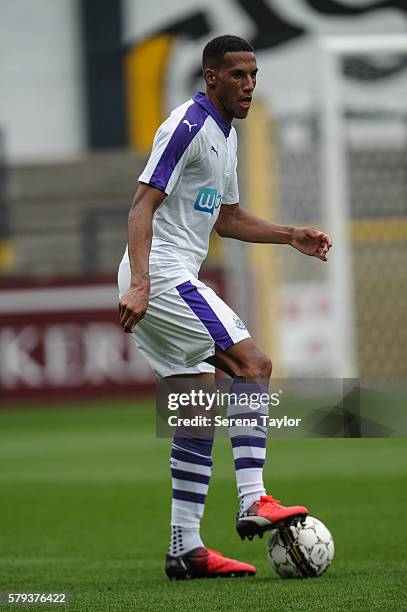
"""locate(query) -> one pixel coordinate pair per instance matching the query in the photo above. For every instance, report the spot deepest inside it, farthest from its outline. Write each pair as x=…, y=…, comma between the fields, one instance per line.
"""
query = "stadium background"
x=83, y=87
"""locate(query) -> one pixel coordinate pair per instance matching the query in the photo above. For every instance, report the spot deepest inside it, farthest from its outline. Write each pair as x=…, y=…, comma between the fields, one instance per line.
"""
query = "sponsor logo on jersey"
x=239, y=323
x=207, y=200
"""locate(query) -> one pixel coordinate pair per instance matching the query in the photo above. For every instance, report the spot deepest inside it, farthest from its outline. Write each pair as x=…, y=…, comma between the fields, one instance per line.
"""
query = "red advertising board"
x=63, y=339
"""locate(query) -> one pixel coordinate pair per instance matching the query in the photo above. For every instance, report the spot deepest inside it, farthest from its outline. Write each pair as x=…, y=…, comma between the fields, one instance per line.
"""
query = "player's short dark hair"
x=214, y=51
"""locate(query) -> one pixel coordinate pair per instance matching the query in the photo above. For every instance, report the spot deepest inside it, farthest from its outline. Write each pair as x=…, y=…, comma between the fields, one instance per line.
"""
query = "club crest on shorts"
x=239, y=323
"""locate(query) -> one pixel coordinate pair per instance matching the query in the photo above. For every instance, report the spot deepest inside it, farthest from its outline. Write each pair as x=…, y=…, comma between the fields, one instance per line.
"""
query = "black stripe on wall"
x=104, y=84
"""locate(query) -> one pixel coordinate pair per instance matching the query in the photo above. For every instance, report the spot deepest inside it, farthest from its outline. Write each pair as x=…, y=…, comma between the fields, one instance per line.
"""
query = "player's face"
x=231, y=86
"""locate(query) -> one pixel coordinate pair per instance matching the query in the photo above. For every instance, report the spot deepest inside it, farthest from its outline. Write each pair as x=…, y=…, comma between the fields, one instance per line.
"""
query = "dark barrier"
x=62, y=339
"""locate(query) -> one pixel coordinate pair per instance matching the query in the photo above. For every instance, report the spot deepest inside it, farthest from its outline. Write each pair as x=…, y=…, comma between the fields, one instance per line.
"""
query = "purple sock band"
x=240, y=387
x=203, y=446
x=248, y=388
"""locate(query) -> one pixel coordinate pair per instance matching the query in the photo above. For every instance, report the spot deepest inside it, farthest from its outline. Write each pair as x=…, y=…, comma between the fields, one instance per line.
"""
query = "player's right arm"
x=174, y=147
x=133, y=304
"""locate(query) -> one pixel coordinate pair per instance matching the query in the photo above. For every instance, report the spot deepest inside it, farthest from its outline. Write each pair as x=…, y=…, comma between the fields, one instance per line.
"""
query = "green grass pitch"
x=85, y=502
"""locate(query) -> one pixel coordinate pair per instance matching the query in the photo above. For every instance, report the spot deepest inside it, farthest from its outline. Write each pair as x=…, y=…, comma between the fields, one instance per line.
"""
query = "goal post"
x=335, y=184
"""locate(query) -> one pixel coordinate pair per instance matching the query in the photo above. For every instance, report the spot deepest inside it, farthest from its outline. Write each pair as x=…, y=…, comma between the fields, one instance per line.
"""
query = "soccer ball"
x=304, y=549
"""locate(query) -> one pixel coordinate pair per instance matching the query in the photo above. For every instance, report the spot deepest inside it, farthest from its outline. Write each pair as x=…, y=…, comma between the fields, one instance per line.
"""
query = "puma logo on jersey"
x=215, y=150
x=190, y=125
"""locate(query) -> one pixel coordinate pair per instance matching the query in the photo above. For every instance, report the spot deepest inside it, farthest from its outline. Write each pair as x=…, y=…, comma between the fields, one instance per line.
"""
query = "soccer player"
x=188, y=187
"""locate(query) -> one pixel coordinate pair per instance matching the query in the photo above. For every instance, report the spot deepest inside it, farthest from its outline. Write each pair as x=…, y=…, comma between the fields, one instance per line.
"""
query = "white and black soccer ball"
x=304, y=549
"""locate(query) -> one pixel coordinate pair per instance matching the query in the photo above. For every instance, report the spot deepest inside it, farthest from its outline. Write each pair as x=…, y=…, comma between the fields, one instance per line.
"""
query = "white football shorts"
x=183, y=326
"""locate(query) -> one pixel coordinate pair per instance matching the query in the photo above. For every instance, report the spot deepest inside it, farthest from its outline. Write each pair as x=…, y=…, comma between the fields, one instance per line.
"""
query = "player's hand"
x=312, y=242
x=132, y=307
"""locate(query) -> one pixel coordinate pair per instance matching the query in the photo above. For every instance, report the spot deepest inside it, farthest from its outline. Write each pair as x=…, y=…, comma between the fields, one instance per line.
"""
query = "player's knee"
x=258, y=367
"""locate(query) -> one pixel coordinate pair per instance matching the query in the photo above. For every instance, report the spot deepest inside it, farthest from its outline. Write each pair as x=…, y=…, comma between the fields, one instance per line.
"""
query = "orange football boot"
x=203, y=562
x=266, y=513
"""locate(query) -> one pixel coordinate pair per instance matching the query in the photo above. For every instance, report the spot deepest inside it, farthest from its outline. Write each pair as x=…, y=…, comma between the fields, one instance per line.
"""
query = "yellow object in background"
x=259, y=159
x=7, y=256
x=145, y=71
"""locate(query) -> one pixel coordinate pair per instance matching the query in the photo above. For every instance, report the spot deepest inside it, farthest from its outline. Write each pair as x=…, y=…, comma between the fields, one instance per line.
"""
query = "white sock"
x=250, y=492
x=191, y=466
x=183, y=539
x=249, y=446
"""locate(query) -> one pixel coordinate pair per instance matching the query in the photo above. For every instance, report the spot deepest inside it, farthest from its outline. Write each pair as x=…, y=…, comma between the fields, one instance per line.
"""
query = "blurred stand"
x=77, y=115
x=6, y=248
x=59, y=330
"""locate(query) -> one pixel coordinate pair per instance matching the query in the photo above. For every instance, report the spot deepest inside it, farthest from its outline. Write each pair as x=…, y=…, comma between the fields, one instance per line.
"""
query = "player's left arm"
x=236, y=222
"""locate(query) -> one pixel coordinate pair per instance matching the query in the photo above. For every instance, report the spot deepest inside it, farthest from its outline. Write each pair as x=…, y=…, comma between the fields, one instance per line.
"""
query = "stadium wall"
x=41, y=80
x=57, y=73
x=61, y=339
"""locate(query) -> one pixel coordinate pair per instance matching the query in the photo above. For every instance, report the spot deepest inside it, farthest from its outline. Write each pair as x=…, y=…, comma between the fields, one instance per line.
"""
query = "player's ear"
x=210, y=77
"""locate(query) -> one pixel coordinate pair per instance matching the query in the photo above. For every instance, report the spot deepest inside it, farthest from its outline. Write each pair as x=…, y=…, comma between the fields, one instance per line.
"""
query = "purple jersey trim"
x=181, y=138
x=205, y=314
x=201, y=99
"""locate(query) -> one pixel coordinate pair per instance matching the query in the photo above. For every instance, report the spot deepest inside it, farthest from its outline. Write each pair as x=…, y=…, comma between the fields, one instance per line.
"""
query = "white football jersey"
x=193, y=161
